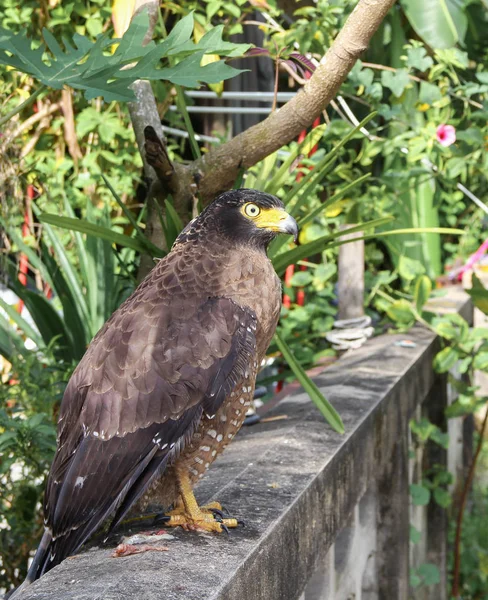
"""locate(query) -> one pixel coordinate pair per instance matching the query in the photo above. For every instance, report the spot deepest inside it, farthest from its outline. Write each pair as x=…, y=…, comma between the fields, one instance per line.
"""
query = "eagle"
x=164, y=386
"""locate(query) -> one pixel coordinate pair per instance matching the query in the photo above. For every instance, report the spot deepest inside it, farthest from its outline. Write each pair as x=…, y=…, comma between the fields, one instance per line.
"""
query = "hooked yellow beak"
x=277, y=219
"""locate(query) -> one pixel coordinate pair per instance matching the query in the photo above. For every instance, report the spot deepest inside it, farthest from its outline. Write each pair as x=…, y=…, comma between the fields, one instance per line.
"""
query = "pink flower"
x=446, y=135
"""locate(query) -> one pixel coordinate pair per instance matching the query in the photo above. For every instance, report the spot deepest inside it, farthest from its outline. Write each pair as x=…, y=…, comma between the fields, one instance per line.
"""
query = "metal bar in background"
x=243, y=96
x=184, y=134
x=228, y=110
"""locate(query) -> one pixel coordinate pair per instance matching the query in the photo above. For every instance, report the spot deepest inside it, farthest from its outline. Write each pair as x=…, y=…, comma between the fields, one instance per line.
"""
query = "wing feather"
x=133, y=401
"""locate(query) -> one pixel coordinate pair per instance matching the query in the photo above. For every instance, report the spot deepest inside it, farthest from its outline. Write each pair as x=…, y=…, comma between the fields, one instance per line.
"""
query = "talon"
x=161, y=518
x=191, y=517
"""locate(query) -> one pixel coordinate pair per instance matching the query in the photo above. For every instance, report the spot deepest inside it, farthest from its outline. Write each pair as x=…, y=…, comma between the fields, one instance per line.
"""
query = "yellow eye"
x=252, y=210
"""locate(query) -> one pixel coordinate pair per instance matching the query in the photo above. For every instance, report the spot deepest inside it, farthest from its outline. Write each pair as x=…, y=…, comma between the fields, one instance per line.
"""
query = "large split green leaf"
x=91, y=67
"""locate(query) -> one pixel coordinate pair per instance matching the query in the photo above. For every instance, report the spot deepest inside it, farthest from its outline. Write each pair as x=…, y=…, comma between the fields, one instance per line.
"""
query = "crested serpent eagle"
x=165, y=384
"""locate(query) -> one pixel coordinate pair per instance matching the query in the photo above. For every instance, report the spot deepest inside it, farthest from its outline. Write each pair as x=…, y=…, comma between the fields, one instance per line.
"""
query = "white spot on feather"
x=79, y=482
x=212, y=433
x=219, y=437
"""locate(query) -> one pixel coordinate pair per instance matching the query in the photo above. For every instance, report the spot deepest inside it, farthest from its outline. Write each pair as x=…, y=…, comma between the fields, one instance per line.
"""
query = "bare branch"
x=220, y=166
x=69, y=125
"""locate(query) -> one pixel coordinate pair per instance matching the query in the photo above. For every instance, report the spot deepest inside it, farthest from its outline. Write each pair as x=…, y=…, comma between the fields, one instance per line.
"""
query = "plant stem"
x=180, y=100
x=277, y=74
x=23, y=105
x=462, y=506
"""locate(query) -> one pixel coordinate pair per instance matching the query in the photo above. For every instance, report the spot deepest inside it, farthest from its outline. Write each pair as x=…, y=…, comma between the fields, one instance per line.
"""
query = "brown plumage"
x=165, y=384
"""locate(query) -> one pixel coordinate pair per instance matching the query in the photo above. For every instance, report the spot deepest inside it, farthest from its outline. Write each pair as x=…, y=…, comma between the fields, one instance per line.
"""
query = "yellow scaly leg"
x=189, y=515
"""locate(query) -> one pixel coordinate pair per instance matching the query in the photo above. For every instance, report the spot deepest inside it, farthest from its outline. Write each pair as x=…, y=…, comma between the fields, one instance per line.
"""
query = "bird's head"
x=249, y=217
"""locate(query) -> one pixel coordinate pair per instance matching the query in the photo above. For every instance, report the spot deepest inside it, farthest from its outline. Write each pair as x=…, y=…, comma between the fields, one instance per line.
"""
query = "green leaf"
x=69, y=272
x=21, y=323
x=442, y=497
x=479, y=294
x=281, y=261
x=77, y=327
x=422, y=290
x=96, y=230
x=410, y=268
x=445, y=359
x=430, y=574
x=417, y=58
x=90, y=67
x=401, y=312
x=152, y=248
x=332, y=200
x=301, y=278
x=11, y=343
x=423, y=429
x=309, y=386
x=282, y=174
x=396, y=82
x=480, y=361
x=190, y=73
x=429, y=93
x=48, y=321
x=415, y=535
x=420, y=494
x=211, y=43
x=440, y=23
x=446, y=328
x=440, y=438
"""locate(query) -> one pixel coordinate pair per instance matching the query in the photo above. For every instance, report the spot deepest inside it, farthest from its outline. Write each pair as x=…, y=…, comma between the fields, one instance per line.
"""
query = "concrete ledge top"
x=293, y=481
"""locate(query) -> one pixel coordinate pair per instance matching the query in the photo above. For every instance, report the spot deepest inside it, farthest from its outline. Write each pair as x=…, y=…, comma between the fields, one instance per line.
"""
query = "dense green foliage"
x=426, y=67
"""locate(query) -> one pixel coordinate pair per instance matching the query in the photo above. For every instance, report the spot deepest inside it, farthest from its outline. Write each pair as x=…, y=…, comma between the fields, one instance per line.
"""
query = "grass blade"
x=11, y=342
x=69, y=272
x=332, y=200
x=329, y=412
x=152, y=248
x=96, y=230
x=21, y=323
x=281, y=261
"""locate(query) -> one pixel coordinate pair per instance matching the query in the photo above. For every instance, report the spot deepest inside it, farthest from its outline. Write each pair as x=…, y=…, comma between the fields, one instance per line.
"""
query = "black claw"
x=216, y=511
x=243, y=523
x=252, y=420
x=225, y=528
x=161, y=518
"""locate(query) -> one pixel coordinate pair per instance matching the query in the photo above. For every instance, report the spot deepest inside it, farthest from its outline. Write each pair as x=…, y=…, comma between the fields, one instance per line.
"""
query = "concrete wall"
x=327, y=515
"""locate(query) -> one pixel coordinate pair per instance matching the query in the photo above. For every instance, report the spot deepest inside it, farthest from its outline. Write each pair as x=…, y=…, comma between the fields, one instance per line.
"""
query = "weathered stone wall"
x=327, y=516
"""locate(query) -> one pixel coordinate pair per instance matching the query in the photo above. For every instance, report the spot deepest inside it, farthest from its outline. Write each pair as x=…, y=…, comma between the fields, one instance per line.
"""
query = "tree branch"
x=220, y=166
x=165, y=178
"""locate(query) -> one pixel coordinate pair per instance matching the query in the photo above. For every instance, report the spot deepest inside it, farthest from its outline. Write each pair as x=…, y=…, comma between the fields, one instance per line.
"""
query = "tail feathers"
x=41, y=558
x=38, y=565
